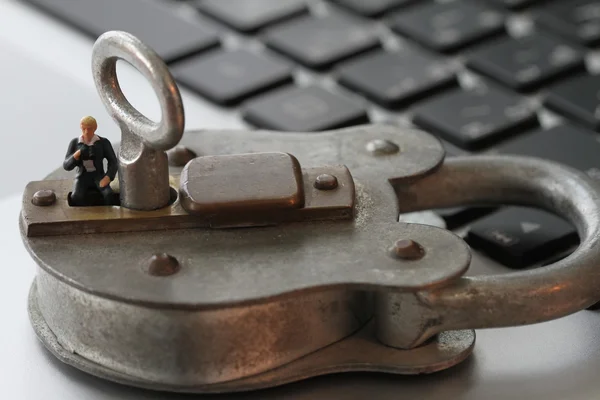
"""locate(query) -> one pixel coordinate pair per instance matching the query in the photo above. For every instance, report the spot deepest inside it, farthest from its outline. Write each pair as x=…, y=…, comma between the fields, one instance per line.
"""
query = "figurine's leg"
x=106, y=191
x=80, y=187
x=107, y=194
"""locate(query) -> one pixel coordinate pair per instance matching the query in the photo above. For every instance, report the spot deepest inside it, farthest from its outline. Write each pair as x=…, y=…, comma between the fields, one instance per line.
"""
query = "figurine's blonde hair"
x=89, y=121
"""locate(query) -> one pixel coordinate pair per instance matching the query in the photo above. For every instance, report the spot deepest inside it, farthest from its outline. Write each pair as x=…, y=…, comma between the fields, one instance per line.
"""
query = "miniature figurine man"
x=87, y=152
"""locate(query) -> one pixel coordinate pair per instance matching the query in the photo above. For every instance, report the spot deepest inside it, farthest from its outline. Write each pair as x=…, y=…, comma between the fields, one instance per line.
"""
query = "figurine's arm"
x=70, y=161
x=111, y=159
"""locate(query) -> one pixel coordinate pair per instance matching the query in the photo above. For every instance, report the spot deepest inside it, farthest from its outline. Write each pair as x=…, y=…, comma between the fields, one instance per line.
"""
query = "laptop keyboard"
x=500, y=76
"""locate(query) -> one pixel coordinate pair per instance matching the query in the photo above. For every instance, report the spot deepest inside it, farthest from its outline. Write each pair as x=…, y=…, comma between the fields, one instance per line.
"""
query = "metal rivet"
x=407, y=249
x=326, y=182
x=179, y=156
x=162, y=264
x=379, y=147
x=44, y=198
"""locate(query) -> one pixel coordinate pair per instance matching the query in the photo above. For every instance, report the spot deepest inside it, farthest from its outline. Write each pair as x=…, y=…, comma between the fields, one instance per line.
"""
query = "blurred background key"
x=172, y=36
x=396, y=79
x=577, y=98
x=250, y=16
x=229, y=77
x=449, y=26
x=373, y=8
x=517, y=4
x=305, y=109
x=475, y=119
x=578, y=20
x=526, y=63
x=319, y=42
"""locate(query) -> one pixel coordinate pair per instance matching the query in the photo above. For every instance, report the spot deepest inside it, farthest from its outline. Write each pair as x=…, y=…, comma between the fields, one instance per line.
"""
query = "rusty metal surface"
x=61, y=219
x=190, y=347
x=232, y=274
x=357, y=352
x=277, y=260
x=241, y=183
x=292, y=260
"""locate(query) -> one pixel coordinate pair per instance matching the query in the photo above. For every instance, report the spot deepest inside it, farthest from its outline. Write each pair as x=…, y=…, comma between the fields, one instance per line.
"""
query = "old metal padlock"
x=273, y=257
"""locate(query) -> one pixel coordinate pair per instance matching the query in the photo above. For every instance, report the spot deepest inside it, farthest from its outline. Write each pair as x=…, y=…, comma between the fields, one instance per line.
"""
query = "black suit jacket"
x=102, y=150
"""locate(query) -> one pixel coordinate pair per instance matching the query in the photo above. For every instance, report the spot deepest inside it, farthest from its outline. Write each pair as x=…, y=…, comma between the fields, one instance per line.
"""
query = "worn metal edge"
x=119, y=336
x=335, y=285
x=255, y=382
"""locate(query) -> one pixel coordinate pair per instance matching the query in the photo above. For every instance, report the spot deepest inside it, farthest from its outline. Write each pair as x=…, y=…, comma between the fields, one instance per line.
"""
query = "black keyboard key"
x=303, y=110
x=594, y=307
x=566, y=144
x=319, y=42
x=519, y=237
x=450, y=26
x=230, y=77
x=170, y=35
x=528, y=62
x=575, y=19
x=474, y=119
x=372, y=8
x=458, y=216
x=577, y=98
x=250, y=16
x=517, y=4
x=395, y=79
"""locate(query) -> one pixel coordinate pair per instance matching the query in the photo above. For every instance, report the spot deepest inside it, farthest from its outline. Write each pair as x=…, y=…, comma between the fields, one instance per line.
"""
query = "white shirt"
x=89, y=164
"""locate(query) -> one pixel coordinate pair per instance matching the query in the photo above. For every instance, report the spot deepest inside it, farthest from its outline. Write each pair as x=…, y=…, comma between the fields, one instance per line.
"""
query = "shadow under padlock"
x=323, y=278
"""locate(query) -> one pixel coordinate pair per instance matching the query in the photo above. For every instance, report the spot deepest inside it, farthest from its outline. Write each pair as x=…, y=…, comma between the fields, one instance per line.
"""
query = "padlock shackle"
x=517, y=298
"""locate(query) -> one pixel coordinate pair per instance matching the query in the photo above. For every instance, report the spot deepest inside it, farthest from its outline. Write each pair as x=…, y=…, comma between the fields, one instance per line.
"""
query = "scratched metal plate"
x=225, y=267
x=357, y=352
